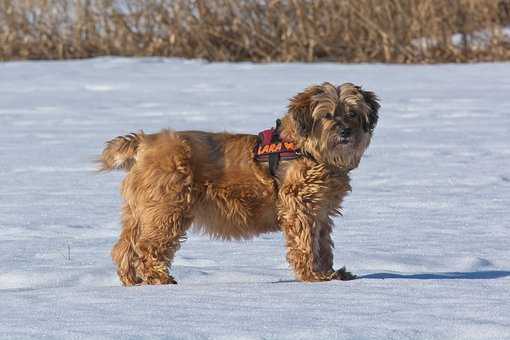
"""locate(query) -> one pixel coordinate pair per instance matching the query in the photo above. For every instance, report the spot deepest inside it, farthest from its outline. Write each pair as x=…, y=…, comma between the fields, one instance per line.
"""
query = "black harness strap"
x=274, y=158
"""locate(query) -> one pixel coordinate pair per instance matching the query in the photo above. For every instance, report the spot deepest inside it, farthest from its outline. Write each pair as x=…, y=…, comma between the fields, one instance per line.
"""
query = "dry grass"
x=401, y=31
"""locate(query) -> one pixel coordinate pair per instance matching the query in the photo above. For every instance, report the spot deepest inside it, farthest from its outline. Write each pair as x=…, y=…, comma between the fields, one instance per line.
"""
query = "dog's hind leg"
x=143, y=255
x=162, y=184
x=161, y=237
x=123, y=253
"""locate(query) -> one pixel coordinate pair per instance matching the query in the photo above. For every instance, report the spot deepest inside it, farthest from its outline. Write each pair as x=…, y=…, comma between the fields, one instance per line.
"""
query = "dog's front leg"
x=309, y=245
x=325, y=258
x=304, y=200
x=301, y=238
x=300, y=200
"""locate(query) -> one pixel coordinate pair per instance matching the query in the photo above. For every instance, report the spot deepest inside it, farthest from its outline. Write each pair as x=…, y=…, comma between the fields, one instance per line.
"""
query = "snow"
x=426, y=226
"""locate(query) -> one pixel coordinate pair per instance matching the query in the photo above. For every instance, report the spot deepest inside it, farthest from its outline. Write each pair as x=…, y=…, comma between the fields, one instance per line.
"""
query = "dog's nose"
x=345, y=132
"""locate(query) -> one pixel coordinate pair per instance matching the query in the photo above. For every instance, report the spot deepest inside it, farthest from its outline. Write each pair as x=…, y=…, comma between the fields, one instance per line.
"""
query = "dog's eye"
x=329, y=115
x=352, y=114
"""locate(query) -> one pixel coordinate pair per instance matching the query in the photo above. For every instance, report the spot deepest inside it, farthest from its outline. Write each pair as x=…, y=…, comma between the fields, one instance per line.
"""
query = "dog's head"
x=333, y=124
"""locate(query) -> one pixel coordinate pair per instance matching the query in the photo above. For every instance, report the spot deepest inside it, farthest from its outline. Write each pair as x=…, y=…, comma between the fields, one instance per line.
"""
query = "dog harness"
x=271, y=148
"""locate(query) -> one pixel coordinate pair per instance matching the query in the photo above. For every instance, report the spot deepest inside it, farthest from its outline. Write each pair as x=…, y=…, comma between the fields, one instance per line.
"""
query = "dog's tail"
x=120, y=152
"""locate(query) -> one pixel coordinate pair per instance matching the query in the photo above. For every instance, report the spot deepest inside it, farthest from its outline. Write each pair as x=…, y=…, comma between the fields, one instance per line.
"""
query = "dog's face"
x=334, y=124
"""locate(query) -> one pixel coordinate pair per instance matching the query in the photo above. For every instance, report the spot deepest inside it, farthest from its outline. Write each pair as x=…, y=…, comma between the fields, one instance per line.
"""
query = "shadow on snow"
x=478, y=275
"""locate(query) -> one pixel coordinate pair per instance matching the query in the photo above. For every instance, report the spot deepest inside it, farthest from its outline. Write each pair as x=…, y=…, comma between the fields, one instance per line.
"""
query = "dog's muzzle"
x=345, y=133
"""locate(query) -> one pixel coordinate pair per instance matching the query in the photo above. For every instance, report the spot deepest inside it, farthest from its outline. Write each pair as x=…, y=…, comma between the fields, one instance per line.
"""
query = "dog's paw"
x=159, y=280
x=343, y=275
x=169, y=280
x=158, y=275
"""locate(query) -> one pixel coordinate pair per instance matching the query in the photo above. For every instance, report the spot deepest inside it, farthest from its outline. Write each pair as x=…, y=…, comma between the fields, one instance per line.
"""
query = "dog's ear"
x=373, y=103
x=300, y=109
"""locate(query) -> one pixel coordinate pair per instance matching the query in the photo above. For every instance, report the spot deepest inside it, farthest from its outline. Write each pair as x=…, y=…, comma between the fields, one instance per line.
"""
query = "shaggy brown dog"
x=176, y=178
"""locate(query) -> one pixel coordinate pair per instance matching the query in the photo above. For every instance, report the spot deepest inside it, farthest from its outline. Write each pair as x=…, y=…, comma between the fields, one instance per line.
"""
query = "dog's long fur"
x=176, y=178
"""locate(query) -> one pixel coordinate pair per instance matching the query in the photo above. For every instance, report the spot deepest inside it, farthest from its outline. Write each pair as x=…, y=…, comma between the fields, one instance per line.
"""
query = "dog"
x=215, y=182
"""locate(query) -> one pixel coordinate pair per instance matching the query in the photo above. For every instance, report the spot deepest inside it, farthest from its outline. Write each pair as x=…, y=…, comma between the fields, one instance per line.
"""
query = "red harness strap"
x=270, y=148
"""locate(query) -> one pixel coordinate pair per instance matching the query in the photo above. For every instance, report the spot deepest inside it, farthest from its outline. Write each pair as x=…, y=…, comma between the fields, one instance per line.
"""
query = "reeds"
x=396, y=31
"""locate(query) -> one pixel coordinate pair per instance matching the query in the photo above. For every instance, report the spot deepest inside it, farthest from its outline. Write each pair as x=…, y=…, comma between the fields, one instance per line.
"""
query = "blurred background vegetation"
x=393, y=31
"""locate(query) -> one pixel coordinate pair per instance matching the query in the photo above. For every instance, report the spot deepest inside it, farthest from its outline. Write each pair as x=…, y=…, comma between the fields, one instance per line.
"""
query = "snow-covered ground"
x=426, y=226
